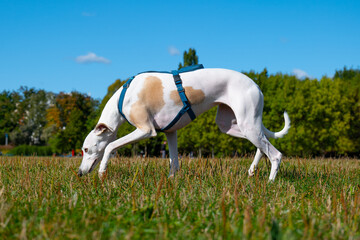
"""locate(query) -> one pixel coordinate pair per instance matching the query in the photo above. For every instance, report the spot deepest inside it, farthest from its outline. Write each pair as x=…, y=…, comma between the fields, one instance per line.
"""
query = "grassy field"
x=43, y=198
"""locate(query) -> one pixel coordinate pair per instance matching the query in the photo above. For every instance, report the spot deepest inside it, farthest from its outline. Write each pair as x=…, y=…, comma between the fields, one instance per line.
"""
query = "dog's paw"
x=251, y=172
x=271, y=181
x=102, y=175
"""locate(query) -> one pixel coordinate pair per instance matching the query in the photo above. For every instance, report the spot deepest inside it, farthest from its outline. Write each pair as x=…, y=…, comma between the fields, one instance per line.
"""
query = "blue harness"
x=186, y=104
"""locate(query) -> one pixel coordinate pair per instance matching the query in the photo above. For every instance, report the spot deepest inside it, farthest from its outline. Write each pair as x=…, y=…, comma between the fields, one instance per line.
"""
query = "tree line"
x=324, y=117
x=40, y=118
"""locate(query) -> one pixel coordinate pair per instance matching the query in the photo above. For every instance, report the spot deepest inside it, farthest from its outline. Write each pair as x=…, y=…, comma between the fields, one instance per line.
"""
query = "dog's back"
x=156, y=94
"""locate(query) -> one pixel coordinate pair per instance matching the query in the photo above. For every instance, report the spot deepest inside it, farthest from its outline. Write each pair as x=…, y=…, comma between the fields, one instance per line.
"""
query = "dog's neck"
x=110, y=115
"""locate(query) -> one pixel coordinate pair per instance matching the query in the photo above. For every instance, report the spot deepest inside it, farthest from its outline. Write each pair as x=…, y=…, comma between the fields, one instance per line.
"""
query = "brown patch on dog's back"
x=151, y=100
x=195, y=96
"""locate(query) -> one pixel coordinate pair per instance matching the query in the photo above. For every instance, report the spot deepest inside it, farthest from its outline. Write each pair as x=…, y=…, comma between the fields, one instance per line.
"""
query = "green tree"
x=69, y=118
x=348, y=82
x=31, y=115
x=8, y=119
x=189, y=58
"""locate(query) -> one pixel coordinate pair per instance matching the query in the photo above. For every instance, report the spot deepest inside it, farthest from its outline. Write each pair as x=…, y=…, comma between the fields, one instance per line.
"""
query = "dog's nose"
x=80, y=173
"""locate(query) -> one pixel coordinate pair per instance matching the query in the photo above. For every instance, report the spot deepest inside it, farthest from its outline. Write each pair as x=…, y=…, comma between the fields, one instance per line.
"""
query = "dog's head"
x=94, y=147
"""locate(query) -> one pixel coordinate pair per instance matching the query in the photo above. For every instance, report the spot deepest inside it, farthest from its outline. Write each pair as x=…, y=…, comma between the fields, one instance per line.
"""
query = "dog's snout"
x=80, y=173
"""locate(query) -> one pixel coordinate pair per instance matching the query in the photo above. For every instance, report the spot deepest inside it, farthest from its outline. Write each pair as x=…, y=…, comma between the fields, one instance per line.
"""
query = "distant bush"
x=5, y=149
x=26, y=150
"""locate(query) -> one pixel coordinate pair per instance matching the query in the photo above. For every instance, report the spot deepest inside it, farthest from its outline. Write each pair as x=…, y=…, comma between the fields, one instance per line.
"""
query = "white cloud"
x=92, y=58
x=300, y=74
x=173, y=51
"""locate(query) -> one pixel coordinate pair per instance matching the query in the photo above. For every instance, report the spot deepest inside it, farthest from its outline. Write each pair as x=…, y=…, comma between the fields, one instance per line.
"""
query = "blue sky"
x=87, y=45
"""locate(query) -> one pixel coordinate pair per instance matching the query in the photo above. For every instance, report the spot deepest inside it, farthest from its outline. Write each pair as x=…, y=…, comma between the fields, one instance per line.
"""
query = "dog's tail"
x=282, y=133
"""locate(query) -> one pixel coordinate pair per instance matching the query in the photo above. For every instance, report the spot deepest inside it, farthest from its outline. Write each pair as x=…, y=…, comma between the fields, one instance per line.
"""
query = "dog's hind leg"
x=134, y=136
x=261, y=142
x=254, y=164
x=173, y=152
x=248, y=111
x=226, y=121
x=249, y=126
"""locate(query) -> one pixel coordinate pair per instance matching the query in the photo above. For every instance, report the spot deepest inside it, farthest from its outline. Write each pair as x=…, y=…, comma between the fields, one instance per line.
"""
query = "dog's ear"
x=101, y=128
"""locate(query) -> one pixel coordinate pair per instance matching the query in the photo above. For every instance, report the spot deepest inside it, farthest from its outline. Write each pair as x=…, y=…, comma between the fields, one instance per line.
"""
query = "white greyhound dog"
x=152, y=102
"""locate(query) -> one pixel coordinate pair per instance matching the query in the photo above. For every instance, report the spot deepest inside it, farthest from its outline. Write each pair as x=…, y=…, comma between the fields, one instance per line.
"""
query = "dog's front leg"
x=173, y=152
x=134, y=136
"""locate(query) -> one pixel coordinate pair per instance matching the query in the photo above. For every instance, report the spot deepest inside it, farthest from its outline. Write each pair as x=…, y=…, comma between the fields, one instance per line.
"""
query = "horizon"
x=300, y=75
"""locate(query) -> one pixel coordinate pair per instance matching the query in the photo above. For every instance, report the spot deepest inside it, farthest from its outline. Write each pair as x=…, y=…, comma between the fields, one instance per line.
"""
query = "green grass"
x=41, y=197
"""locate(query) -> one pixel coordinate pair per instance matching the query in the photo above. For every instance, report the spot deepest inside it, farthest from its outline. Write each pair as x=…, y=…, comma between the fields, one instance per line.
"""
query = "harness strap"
x=122, y=96
x=186, y=104
x=178, y=82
